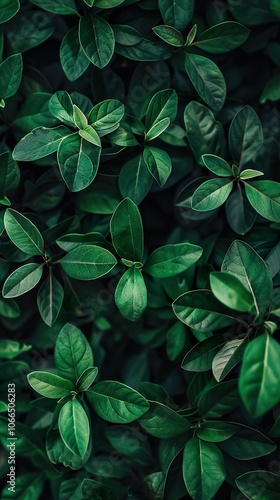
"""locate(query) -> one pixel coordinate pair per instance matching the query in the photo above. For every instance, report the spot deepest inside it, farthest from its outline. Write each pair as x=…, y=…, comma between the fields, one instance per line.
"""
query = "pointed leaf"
x=158, y=163
x=264, y=197
x=23, y=233
x=73, y=426
x=88, y=262
x=10, y=75
x=217, y=165
x=259, y=485
x=127, y=231
x=230, y=290
x=39, y=143
x=49, y=299
x=223, y=37
x=211, y=194
x=245, y=135
x=163, y=422
x=22, y=280
x=97, y=39
x=50, y=385
x=73, y=354
x=72, y=57
x=176, y=13
x=170, y=260
x=131, y=294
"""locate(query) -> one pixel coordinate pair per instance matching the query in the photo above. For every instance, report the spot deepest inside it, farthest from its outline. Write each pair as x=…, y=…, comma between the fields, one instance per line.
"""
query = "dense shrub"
x=140, y=254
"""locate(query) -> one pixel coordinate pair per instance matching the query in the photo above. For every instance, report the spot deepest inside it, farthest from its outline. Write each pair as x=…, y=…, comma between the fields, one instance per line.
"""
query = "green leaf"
x=80, y=119
x=135, y=180
x=107, y=4
x=88, y=262
x=205, y=134
x=23, y=31
x=207, y=80
x=203, y=469
x=73, y=426
x=259, y=485
x=271, y=91
x=39, y=143
x=10, y=349
x=28, y=485
x=199, y=309
x=211, y=194
x=50, y=385
x=97, y=40
x=162, y=105
x=87, y=378
x=176, y=340
x=131, y=294
x=215, y=431
x=10, y=75
x=8, y=9
x=70, y=241
x=251, y=12
x=106, y=115
x=229, y=290
x=73, y=354
x=245, y=135
x=116, y=402
x=248, y=443
x=250, y=268
x=72, y=57
x=89, y=134
x=176, y=13
x=130, y=442
x=223, y=37
x=23, y=233
x=22, y=280
x=64, y=7
x=127, y=231
x=219, y=400
x=264, y=197
x=217, y=165
x=61, y=106
x=49, y=299
x=78, y=162
x=259, y=377
x=158, y=163
x=240, y=214
x=163, y=422
x=275, y=7
x=169, y=35
x=9, y=173
x=157, y=129
x=227, y=358
x=200, y=357
x=170, y=260
x=249, y=173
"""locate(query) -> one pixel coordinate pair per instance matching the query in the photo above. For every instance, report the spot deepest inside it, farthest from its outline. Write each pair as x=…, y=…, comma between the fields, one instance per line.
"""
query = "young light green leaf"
x=211, y=194
x=157, y=129
x=158, y=163
x=131, y=294
x=223, y=37
x=61, y=106
x=260, y=377
x=163, y=422
x=199, y=309
x=22, y=280
x=170, y=260
x=264, y=197
x=217, y=165
x=73, y=59
x=73, y=426
x=207, y=80
x=249, y=173
x=176, y=13
x=87, y=378
x=245, y=135
x=259, y=484
x=162, y=105
x=73, y=354
x=250, y=268
x=23, y=233
x=89, y=134
x=88, y=262
x=49, y=299
x=50, y=385
x=8, y=9
x=79, y=117
x=10, y=75
x=203, y=469
x=116, y=402
x=78, y=161
x=135, y=179
x=169, y=35
x=205, y=134
x=39, y=143
x=127, y=231
x=106, y=115
x=229, y=290
x=97, y=39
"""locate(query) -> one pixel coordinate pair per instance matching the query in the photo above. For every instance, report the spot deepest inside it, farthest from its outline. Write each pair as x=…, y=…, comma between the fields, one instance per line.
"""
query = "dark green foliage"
x=139, y=249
